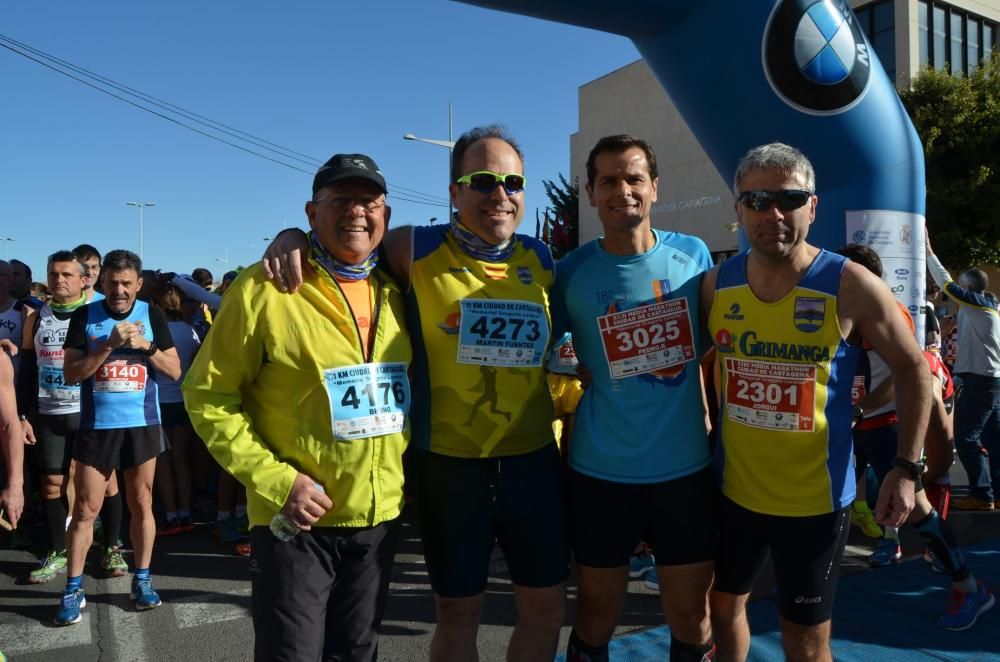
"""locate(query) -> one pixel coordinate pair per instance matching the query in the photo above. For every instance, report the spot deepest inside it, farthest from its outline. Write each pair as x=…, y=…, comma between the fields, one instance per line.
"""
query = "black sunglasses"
x=787, y=200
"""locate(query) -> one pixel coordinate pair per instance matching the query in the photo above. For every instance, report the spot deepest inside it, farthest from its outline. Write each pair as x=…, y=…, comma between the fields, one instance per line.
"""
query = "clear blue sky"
x=318, y=77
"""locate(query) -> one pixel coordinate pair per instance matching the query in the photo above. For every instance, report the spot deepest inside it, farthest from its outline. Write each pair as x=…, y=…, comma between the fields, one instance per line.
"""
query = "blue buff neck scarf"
x=338, y=269
x=472, y=244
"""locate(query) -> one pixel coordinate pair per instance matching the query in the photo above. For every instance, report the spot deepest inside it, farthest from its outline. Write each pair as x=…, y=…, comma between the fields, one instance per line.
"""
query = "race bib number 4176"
x=368, y=399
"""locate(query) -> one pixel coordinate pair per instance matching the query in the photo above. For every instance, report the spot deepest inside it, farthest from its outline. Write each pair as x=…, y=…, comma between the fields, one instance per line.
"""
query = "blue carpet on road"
x=886, y=614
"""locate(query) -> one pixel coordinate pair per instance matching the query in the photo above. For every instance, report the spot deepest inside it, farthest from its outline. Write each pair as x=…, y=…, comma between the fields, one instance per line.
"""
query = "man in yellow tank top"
x=787, y=320
x=485, y=464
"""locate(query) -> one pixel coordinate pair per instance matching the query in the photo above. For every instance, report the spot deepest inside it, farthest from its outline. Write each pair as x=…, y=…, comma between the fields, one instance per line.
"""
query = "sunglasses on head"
x=788, y=200
x=484, y=181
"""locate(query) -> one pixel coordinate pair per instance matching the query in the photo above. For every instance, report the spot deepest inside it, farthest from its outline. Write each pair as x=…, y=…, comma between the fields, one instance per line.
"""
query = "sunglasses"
x=789, y=200
x=484, y=181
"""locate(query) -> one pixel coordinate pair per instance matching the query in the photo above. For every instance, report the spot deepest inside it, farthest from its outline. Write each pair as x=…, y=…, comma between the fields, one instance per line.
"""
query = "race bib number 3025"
x=775, y=396
x=368, y=399
x=647, y=338
x=502, y=333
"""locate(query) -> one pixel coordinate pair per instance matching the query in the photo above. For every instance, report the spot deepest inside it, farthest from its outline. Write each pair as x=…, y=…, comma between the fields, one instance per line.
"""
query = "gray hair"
x=67, y=256
x=775, y=156
x=975, y=280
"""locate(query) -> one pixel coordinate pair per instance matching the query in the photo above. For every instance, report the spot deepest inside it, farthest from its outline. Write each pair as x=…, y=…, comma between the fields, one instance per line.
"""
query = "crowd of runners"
x=632, y=411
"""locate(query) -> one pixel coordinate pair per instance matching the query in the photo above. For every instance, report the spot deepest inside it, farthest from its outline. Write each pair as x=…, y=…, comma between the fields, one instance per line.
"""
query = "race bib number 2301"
x=771, y=395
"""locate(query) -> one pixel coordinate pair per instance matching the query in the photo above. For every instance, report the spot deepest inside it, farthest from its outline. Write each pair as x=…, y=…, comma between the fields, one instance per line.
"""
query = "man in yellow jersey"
x=787, y=320
x=486, y=465
x=304, y=399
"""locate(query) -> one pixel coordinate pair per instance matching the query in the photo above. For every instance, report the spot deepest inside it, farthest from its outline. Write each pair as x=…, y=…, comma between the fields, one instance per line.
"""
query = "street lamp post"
x=449, y=144
x=224, y=260
x=141, y=206
x=6, y=241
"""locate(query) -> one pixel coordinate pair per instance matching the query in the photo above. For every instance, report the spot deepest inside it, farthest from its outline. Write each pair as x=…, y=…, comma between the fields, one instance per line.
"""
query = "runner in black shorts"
x=53, y=408
x=806, y=553
x=639, y=459
x=787, y=319
x=483, y=501
x=113, y=349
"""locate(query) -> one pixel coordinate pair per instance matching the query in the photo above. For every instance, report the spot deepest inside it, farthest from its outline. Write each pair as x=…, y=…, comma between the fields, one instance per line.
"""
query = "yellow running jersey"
x=785, y=444
x=480, y=331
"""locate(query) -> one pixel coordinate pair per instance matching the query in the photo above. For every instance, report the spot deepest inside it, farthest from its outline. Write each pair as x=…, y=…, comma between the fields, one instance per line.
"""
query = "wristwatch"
x=152, y=349
x=914, y=469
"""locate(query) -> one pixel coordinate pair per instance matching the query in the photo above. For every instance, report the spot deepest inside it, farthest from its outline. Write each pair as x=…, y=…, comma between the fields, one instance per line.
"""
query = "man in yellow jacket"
x=304, y=399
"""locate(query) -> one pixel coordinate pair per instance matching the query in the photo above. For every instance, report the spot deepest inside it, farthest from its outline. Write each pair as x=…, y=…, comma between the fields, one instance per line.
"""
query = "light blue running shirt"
x=634, y=321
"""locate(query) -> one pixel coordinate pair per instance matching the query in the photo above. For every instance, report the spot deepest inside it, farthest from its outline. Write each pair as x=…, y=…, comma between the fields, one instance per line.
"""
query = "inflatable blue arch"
x=798, y=71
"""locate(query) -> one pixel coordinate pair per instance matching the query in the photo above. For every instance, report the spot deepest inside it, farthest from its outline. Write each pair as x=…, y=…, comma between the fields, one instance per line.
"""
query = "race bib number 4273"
x=770, y=395
x=502, y=333
x=647, y=338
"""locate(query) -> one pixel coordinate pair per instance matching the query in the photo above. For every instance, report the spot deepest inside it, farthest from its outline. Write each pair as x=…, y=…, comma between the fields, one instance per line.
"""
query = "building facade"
x=692, y=196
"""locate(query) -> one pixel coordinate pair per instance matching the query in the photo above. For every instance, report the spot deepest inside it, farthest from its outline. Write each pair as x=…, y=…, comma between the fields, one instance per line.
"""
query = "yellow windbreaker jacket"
x=257, y=396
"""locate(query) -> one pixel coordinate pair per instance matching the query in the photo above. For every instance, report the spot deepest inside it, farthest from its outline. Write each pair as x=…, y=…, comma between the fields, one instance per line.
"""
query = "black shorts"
x=677, y=518
x=465, y=505
x=120, y=448
x=321, y=595
x=806, y=552
x=53, y=450
x=173, y=413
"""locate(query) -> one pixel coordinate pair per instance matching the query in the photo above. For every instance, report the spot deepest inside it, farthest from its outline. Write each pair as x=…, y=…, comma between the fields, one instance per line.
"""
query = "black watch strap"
x=914, y=469
x=152, y=349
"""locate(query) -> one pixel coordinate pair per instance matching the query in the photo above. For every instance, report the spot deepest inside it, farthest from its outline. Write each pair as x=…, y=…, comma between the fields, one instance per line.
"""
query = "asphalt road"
x=206, y=601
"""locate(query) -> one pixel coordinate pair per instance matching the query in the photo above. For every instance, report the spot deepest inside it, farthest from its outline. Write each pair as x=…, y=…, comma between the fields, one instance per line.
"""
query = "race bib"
x=567, y=355
x=775, y=396
x=647, y=338
x=51, y=384
x=858, y=391
x=121, y=376
x=502, y=333
x=368, y=399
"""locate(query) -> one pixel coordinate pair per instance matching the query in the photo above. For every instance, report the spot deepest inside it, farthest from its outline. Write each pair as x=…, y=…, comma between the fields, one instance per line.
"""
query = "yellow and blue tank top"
x=122, y=393
x=480, y=331
x=785, y=444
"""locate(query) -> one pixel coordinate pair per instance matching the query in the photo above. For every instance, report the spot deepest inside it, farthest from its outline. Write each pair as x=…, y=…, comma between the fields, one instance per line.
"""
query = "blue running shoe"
x=638, y=566
x=144, y=595
x=886, y=551
x=227, y=530
x=964, y=608
x=69, y=608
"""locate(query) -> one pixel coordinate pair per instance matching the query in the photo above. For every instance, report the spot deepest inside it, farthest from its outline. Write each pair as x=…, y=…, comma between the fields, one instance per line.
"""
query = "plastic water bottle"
x=282, y=527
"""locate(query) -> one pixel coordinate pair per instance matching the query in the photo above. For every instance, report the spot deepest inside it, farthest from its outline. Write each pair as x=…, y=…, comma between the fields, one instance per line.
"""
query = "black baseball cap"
x=348, y=166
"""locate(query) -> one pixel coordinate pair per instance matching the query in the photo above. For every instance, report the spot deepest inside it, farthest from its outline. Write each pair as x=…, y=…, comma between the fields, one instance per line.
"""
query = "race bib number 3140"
x=368, y=399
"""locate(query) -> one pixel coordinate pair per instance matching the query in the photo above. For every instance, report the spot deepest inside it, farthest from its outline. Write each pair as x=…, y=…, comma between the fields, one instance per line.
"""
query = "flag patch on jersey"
x=810, y=312
x=495, y=271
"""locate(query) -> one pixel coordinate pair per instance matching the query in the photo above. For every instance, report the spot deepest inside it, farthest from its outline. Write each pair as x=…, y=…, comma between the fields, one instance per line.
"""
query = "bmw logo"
x=859, y=237
x=815, y=56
